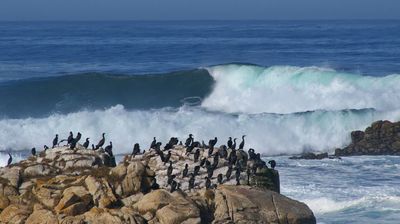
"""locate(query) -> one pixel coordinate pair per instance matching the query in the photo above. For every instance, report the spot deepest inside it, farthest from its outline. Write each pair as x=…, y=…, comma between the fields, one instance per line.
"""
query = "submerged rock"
x=85, y=186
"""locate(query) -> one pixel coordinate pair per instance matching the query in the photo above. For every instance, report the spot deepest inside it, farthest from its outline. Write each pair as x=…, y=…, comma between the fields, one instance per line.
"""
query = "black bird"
x=252, y=154
x=108, y=149
x=86, y=144
x=192, y=146
x=101, y=142
x=223, y=153
x=157, y=147
x=170, y=169
x=241, y=145
x=232, y=157
x=185, y=171
x=191, y=181
x=153, y=143
x=203, y=145
x=168, y=146
x=33, y=151
x=170, y=179
x=272, y=163
x=237, y=175
x=136, y=149
x=210, y=172
x=203, y=161
x=93, y=148
x=229, y=173
x=167, y=157
x=174, y=186
x=55, y=141
x=219, y=178
x=234, y=144
x=196, y=155
x=212, y=142
x=215, y=161
x=9, y=159
x=70, y=137
x=78, y=137
x=210, y=151
x=230, y=142
x=154, y=184
x=208, y=183
x=196, y=170
x=189, y=140
x=45, y=147
x=162, y=157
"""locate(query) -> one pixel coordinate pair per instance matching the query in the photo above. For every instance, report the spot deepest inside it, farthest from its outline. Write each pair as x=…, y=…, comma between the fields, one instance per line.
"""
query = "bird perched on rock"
x=153, y=143
x=174, y=186
x=219, y=178
x=191, y=181
x=86, y=143
x=55, y=141
x=170, y=179
x=167, y=157
x=33, y=151
x=252, y=154
x=108, y=149
x=229, y=172
x=241, y=145
x=189, y=140
x=154, y=184
x=208, y=183
x=203, y=161
x=45, y=147
x=185, y=171
x=75, y=141
x=230, y=143
x=136, y=149
x=234, y=144
x=10, y=158
x=70, y=137
x=196, y=170
x=169, y=169
x=223, y=152
x=93, y=148
x=237, y=175
x=101, y=142
x=212, y=142
x=196, y=155
x=272, y=163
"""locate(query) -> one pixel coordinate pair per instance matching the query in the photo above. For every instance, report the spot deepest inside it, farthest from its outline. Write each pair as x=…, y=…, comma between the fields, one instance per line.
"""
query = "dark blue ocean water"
x=35, y=49
x=290, y=86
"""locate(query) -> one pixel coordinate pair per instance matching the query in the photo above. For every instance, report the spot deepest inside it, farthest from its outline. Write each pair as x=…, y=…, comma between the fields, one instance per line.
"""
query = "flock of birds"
x=236, y=158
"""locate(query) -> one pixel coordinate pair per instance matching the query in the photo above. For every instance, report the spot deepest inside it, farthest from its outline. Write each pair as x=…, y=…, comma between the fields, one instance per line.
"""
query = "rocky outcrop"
x=314, y=156
x=381, y=138
x=84, y=186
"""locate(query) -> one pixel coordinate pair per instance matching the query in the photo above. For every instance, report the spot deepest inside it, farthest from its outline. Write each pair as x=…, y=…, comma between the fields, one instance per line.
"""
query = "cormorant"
x=219, y=178
x=70, y=137
x=196, y=170
x=86, y=144
x=196, y=155
x=55, y=141
x=9, y=159
x=229, y=143
x=154, y=184
x=174, y=186
x=251, y=153
x=210, y=172
x=189, y=140
x=234, y=144
x=170, y=169
x=203, y=161
x=208, y=183
x=237, y=175
x=78, y=137
x=45, y=147
x=153, y=143
x=136, y=149
x=210, y=151
x=216, y=160
x=33, y=151
x=242, y=143
x=93, y=148
x=229, y=173
x=108, y=149
x=191, y=181
x=167, y=157
x=212, y=142
x=272, y=163
x=170, y=179
x=232, y=157
x=223, y=153
x=101, y=142
x=203, y=145
x=185, y=171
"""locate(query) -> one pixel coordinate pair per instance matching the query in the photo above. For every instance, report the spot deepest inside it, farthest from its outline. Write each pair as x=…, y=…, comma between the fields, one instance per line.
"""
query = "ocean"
x=290, y=86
